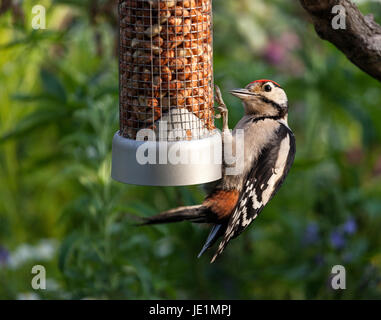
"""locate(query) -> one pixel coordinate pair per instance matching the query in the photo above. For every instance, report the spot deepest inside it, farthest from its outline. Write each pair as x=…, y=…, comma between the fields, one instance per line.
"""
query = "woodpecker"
x=269, y=152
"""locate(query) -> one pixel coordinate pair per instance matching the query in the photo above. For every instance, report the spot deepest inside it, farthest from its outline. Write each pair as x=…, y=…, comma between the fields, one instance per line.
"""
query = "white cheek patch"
x=281, y=97
x=277, y=95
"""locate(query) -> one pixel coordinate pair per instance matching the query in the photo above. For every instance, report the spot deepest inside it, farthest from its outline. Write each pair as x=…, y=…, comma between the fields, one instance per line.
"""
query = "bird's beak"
x=242, y=93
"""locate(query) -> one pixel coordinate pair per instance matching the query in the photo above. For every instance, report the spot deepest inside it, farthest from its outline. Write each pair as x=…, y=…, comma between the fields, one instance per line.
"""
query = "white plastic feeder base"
x=201, y=161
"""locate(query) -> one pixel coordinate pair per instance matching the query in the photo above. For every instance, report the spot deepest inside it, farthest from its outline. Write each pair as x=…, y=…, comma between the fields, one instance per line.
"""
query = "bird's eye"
x=267, y=88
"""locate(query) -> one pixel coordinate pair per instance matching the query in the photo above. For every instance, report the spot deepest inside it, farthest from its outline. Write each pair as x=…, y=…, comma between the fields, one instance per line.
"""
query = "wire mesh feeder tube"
x=166, y=85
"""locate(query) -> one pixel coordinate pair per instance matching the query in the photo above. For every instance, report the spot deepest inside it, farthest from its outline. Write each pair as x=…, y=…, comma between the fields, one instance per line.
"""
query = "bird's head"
x=263, y=98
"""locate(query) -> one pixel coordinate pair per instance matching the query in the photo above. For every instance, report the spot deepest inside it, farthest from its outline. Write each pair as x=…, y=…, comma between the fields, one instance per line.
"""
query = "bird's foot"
x=222, y=109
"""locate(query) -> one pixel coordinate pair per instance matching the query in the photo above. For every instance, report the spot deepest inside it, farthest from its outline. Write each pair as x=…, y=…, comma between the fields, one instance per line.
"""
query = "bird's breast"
x=249, y=139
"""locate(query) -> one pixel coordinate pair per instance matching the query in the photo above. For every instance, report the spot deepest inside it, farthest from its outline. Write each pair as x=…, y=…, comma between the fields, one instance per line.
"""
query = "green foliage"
x=58, y=114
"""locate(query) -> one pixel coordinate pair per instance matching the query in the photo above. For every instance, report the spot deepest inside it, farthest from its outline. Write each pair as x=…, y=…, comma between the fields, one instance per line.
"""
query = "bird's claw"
x=223, y=112
x=222, y=109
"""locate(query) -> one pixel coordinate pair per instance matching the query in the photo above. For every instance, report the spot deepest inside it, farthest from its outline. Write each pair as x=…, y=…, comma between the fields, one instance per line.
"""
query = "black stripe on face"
x=266, y=117
x=282, y=110
x=266, y=100
x=273, y=103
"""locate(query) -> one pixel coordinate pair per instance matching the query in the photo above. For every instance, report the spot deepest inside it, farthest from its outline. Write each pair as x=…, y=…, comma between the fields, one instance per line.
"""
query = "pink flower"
x=274, y=53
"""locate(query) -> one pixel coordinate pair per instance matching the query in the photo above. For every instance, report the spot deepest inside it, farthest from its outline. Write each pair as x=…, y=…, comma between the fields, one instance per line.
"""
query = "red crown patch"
x=265, y=80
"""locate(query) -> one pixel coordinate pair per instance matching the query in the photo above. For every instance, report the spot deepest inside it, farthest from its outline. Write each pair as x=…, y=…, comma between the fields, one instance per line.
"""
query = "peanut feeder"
x=166, y=86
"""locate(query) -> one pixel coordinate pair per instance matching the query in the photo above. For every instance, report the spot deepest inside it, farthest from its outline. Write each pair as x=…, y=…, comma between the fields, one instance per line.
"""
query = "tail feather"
x=195, y=214
x=213, y=236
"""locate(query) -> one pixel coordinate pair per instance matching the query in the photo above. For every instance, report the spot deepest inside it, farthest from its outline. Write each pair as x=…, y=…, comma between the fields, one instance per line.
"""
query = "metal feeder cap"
x=164, y=163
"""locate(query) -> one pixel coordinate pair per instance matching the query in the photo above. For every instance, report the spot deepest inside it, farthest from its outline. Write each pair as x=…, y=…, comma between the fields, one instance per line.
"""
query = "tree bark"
x=360, y=41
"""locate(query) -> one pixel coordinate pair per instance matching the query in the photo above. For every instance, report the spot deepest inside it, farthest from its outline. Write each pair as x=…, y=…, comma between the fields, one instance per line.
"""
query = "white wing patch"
x=256, y=203
x=278, y=170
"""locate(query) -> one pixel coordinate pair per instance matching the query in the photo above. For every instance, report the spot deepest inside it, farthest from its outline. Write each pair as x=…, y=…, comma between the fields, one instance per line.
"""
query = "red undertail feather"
x=222, y=203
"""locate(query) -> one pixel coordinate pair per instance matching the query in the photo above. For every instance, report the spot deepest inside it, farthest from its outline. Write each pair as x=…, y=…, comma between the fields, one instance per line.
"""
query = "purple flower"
x=274, y=53
x=337, y=240
x=4, y=255
x=290, y=40
x=311, y=234
x=350, y=227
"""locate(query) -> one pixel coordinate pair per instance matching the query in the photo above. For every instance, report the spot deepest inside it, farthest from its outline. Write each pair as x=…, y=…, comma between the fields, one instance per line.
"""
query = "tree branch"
x=360, y=41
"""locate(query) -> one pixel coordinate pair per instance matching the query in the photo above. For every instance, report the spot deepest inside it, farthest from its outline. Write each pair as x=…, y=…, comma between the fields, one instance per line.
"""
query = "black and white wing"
x=261, y=184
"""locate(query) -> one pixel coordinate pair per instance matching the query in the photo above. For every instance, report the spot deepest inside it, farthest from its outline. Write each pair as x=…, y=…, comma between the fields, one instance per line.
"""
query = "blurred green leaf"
x=53, y=86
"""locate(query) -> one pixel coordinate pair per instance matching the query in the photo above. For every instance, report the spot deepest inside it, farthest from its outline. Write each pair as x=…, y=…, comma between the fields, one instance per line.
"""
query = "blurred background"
x=60, y=208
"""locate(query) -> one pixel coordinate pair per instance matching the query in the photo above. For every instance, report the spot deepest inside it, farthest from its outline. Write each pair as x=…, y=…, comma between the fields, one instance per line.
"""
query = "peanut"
x=166, y=73
x=189, y=3
x=177, y=63
x=181, y=12
x=153, y=31
x=164, y=16
x=162, y=4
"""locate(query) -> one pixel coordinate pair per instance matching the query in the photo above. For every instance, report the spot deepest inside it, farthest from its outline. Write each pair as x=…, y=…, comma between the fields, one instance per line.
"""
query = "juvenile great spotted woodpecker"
x=269, y=151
